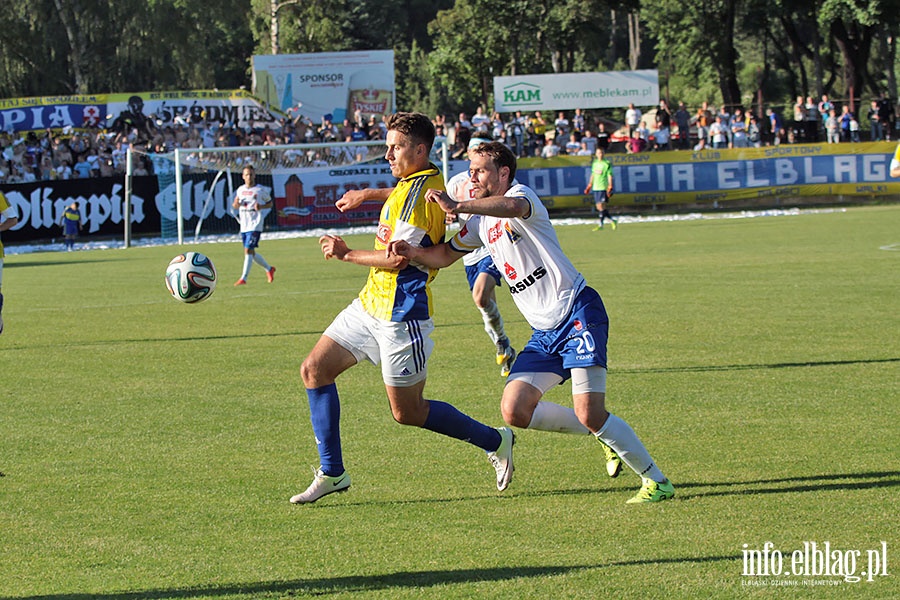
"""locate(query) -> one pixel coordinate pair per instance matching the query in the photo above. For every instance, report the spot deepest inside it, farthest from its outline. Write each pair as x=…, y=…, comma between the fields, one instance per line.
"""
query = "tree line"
x=732, y=52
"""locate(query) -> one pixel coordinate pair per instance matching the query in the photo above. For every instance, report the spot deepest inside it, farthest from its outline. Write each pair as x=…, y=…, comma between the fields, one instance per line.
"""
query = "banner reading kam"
x=568, y=91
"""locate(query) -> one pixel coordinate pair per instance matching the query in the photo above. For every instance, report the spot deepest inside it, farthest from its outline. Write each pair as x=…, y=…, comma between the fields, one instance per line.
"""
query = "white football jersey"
x=460, y=189
x=249, y=197
x=543, y=281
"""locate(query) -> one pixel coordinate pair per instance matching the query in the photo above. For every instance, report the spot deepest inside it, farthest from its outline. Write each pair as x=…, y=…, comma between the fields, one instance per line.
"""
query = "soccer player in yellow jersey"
x=9, y=219
x=390, y=321
x=895, y=163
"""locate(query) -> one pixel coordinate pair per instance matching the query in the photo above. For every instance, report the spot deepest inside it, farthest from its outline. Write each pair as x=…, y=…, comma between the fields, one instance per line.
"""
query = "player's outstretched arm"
x=9, y=223
x=433, y=257
x=353, y=198
x=496, y=206
x=333, y=246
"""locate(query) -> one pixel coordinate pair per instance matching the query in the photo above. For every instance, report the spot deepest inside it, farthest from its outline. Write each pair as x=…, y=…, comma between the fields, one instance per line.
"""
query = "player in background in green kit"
x=601, y=183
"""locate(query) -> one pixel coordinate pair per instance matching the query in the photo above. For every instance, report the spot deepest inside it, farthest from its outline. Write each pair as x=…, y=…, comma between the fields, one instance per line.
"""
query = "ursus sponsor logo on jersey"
x=510, y=271
x=464, y=230
x=578, y=325
x=384, y=233
x=528, y=281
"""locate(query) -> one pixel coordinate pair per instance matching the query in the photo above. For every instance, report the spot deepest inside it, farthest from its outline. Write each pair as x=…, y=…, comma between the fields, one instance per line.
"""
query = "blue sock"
x=445, y=419
x=325, y=414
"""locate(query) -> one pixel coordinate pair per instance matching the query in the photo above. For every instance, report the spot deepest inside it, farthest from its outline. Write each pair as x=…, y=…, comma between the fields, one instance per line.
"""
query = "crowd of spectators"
x=96, y=152
x=663, y=128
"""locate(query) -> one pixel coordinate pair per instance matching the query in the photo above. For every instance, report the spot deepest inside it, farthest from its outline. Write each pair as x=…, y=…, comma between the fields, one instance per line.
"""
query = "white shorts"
x=402, y=348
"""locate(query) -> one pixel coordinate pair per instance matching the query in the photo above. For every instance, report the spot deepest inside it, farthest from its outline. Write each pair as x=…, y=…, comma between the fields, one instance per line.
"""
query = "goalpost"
x=196, y=185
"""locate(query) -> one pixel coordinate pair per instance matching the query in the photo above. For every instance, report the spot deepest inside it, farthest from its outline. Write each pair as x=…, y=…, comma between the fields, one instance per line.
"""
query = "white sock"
x=248, y=261
x=618, y=435
x=493, y=322
x=553, y=417
x=261, y=261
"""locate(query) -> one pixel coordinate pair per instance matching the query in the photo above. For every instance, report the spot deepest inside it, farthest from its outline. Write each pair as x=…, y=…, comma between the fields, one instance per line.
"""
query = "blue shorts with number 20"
x=579, y=341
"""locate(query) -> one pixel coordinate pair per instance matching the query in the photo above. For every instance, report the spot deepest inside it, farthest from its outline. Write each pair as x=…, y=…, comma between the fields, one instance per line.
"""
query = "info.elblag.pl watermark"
x=812, y=564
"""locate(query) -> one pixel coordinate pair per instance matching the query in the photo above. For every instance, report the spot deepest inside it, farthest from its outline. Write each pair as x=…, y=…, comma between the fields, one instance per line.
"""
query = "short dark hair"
x=416, y=126
x=500, y=155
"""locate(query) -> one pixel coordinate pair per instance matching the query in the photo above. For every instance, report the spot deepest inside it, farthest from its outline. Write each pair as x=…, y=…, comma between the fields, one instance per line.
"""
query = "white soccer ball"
x=191, y=277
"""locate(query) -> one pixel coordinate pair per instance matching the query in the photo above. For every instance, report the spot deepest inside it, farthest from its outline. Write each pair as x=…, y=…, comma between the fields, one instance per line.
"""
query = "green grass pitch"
x=149, y=448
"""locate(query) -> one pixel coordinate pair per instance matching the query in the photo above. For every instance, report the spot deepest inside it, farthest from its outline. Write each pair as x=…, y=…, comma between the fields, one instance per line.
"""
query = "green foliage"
x=94, y=46
x=149, y=447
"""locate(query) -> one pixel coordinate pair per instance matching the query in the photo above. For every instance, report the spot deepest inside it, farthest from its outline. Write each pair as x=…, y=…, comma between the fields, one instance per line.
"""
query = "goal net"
x=197, y=185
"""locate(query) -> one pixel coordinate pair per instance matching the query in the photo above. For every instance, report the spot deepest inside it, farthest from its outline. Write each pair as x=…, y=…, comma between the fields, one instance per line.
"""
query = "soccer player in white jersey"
x=481, y=272
x=250, y=200
x=9, y=218
x=568, y=317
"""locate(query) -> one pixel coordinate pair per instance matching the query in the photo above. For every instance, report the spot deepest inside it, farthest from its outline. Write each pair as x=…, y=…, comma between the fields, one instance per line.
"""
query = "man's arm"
x=9, y=223
x=333, y=246
x=433, y=257
x=494, y=206
x=353, y=198
x=268, y=203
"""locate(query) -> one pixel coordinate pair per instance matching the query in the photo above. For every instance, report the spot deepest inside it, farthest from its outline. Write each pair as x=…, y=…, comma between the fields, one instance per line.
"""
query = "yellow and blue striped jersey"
x=405, y=295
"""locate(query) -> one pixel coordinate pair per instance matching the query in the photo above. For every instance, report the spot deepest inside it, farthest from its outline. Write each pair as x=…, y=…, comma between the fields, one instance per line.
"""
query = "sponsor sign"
x=568, y=91
x=327, y=83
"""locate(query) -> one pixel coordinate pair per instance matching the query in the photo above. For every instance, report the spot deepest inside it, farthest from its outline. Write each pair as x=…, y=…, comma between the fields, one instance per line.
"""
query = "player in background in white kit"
x=9, y=218
x=249, y=200
x=568, y=318
x=481, y=272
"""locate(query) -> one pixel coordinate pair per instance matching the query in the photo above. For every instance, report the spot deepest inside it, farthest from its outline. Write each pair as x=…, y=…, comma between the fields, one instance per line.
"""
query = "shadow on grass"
x=751, y=367
x=370, y=583
x=786, y=485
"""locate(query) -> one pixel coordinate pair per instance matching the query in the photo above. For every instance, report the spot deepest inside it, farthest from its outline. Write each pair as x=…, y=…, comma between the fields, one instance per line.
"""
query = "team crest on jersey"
x=578, y=325
x=510, y=271
x=384, y=233
x=512, y=235
x=464, y=230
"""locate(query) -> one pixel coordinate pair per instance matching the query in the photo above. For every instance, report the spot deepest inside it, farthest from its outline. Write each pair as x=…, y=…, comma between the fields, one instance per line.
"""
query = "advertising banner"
x=306, y=198
x=327, y=83
x=234, y=108
x=686, y=177
x=110, y=111
x=568, y=91
x=40, y=206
